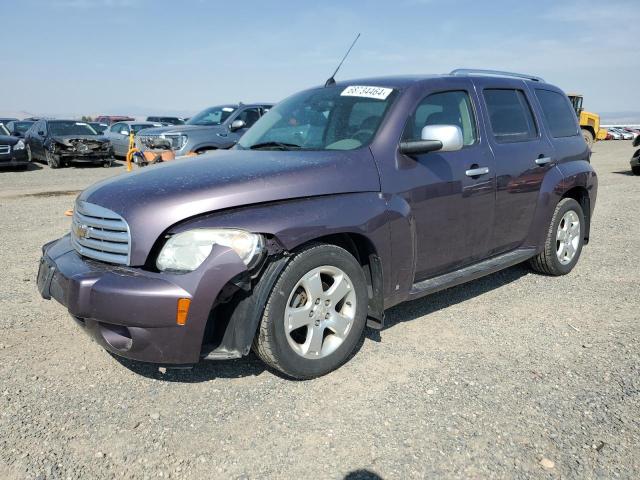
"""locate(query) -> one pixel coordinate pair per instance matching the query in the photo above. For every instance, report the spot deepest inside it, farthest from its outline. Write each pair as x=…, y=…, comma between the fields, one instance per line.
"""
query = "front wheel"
x=564, y=241
x=635, y=170
x=315, y=314
x=52, y=160
x=588, y=137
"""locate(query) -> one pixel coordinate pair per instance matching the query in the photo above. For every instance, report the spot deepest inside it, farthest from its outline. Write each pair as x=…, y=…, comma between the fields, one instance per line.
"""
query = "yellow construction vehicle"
x=589, y=121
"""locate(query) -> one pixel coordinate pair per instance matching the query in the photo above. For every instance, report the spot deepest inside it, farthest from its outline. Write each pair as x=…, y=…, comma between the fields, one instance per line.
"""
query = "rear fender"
x=558, y=181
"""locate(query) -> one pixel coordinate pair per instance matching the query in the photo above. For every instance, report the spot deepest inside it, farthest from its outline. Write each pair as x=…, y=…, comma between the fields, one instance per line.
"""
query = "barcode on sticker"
x=379, y=93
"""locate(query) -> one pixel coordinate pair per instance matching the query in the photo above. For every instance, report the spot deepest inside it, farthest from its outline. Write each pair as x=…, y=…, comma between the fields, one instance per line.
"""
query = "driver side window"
x=444, y=108
x=249, y=116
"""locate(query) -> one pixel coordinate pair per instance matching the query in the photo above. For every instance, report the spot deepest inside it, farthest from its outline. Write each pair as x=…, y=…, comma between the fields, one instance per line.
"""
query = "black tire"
x=635, y=170
x=547, y=261
x=271, y=344
x=588, y=137
x=52, y=160
x=107, y=164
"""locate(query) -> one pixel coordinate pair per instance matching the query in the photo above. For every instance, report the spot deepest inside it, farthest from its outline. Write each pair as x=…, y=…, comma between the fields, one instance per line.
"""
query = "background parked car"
x=59, y=142
x=621, y=134
x=614, y=134
x=12, y=150
x=18, y=128
x=118, y=134
x=99, y=127
x=109, y=119
x=215, y=128
x=167, y=120
x=6, y=120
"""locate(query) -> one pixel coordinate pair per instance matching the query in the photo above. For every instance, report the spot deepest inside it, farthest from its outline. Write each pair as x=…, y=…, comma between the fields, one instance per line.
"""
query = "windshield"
x=211, y=116
x=330, y=118
x=70, y=128
x=21, y=127
x=99, y=127
x=3, y=130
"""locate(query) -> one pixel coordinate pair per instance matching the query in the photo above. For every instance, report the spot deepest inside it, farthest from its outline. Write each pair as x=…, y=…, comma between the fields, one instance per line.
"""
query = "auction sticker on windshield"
x=379, y=93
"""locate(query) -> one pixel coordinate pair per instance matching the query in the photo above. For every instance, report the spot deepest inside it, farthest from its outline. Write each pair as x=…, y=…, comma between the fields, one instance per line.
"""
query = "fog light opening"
x=116, y=336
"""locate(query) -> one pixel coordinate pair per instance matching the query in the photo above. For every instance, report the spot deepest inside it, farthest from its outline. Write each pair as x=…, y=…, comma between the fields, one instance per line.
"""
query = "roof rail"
x=495, y=73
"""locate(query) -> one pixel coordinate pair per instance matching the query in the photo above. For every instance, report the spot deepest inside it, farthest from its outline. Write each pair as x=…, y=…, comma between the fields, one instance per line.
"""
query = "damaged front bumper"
x=132, y=312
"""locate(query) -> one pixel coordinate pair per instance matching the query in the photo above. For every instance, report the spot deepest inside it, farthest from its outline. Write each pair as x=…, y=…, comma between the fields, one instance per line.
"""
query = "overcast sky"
x=132, y=56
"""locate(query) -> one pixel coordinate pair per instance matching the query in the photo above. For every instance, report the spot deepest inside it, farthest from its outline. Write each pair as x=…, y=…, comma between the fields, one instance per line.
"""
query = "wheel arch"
x=581, y=195
x=590, y=129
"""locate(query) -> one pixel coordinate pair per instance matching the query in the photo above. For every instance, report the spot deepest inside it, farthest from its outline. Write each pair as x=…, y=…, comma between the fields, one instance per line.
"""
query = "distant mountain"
x=137, y=113
x=620, y=118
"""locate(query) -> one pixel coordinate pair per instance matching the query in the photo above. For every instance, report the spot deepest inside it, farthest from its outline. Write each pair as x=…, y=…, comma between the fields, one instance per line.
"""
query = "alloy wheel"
x=320, y=312
x=568, y=237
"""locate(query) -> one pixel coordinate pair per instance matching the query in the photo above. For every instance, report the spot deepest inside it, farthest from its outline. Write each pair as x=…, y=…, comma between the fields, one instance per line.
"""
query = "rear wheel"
x=588, y=137
x=315, y=314
x=636, y=170
x=564, y=241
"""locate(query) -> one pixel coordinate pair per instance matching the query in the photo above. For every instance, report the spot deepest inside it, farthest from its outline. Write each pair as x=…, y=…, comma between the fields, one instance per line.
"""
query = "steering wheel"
x=362, y=136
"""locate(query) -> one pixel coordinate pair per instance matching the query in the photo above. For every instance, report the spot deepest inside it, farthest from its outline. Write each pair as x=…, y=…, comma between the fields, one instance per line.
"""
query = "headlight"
x=187, y=250
x=19, y=145
x=177, y=141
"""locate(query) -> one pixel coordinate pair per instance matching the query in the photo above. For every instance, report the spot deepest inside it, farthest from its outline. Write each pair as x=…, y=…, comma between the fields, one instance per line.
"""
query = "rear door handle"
x=475, y=172
x=543, y=160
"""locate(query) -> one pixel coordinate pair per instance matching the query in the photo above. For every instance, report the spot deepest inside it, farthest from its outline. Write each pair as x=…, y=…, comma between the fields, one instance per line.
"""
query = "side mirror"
x=237, y=125
x=443, y=138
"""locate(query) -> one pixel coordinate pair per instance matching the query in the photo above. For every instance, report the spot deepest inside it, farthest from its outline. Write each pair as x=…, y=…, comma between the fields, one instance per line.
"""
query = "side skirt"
x=477, y=270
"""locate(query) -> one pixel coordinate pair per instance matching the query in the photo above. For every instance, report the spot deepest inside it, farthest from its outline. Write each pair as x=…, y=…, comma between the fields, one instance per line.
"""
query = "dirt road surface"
x=514, y=375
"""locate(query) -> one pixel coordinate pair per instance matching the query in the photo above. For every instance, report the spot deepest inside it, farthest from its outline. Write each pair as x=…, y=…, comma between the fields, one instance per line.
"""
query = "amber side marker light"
x=183, y=310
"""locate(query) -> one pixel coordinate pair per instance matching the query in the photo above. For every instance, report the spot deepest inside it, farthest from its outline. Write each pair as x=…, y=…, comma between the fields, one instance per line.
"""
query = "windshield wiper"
x=278, y=145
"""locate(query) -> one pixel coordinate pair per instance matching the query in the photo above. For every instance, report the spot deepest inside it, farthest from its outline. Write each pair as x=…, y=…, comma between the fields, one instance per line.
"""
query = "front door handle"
x=475, y=172
x=543, y=160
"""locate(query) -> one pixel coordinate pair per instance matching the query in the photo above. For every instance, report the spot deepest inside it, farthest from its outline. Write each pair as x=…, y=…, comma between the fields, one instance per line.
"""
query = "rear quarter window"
x=558, y=113
x=510, y=115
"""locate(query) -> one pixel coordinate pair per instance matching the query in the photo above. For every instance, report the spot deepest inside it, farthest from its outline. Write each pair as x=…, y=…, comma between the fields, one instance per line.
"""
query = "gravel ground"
x=514, y=375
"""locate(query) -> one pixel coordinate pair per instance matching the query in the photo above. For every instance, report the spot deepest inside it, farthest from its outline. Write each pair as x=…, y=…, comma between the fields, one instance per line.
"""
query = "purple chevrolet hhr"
x=339, y=203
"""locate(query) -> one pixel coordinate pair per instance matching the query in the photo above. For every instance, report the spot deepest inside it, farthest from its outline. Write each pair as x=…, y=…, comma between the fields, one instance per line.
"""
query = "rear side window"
x=560, y=118
x=510, y=115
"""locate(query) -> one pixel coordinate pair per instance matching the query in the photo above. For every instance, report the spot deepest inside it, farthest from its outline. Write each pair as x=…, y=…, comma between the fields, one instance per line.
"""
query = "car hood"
x=186, y=129
x=8, y=140
x=155, y=198
x=67, y=139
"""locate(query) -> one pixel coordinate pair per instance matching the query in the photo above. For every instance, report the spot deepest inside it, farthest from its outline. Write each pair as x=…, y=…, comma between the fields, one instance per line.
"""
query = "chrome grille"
x=4, y=149
x=101, y=234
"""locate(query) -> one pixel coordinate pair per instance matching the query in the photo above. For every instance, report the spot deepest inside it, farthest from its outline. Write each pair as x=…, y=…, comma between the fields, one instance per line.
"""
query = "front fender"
x=298, y=221
x=212, y=144
x=293, y=223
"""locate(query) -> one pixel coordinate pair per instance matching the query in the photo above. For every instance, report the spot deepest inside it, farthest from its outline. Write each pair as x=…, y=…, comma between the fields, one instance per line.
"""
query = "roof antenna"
x=331, y=80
